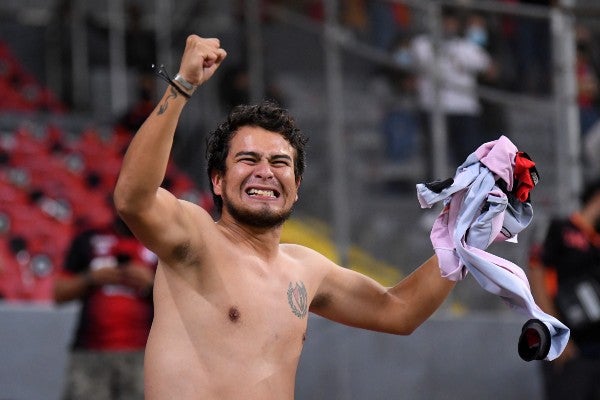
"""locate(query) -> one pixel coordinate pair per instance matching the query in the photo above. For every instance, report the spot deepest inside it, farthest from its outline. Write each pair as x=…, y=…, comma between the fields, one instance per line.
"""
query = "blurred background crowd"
x=390, y=93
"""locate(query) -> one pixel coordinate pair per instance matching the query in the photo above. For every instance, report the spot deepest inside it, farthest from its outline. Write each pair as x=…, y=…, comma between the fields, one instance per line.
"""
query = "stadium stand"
x=54, y=181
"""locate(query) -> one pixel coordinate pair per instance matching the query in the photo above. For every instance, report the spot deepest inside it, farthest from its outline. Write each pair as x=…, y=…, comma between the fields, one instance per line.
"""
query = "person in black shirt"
x=565, y=281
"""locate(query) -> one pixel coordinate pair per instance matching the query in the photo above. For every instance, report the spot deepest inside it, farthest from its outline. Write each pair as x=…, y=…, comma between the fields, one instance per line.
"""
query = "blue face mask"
x=403, y=58
x=477, y=35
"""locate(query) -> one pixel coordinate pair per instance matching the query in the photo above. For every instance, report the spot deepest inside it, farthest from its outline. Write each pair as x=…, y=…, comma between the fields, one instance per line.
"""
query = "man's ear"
x=298, y=182
x=217, y=180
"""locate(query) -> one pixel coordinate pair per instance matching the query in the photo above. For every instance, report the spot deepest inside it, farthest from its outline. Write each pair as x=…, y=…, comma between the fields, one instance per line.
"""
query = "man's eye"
x=281, y=162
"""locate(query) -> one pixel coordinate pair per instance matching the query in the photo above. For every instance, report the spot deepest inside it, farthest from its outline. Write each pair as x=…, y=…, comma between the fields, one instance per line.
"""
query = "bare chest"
x=259, y=310
x=273, y=309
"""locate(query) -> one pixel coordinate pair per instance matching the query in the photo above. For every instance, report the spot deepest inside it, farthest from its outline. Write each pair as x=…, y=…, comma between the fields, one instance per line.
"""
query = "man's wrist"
x=179, y=83
x=184, y=85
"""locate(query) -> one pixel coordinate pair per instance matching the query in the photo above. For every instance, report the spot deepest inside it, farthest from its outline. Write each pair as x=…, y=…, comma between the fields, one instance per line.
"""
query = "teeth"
x=259, y=192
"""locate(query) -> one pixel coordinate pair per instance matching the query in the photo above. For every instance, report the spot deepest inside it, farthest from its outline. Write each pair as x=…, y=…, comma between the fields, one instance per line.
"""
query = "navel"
x=234, y=314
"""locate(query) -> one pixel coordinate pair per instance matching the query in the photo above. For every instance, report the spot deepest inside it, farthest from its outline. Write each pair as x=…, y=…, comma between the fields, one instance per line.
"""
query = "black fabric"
x=534, y=342
x=575, y=258
x=80, y=253
x=439, y=185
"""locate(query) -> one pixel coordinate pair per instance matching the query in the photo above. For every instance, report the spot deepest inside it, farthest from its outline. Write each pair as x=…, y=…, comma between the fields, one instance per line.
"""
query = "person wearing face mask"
x=459, y=62
x=477, y=31
x=565, y=281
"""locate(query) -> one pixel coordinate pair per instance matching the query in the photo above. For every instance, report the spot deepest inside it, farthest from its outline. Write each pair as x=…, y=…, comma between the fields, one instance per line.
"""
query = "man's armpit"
x=321, y=301
x=183, y=253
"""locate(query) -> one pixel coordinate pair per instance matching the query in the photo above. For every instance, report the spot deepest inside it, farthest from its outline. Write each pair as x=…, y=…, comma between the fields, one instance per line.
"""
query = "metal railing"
x=561, y=102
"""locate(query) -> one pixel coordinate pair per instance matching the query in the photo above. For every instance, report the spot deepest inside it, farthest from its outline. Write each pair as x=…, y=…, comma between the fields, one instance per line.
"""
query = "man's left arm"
x=354, y=299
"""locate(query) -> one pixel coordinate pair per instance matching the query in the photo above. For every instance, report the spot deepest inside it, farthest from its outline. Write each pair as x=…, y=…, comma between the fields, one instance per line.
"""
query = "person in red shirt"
x=112, y=274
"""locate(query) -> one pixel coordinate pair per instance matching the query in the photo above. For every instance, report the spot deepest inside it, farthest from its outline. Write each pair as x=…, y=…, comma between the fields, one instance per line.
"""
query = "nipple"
x=234, y=314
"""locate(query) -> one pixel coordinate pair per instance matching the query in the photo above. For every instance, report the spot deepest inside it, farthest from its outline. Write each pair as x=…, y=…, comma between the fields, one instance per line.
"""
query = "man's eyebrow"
x=255, y=154
x=247, y=153
x=280, y=156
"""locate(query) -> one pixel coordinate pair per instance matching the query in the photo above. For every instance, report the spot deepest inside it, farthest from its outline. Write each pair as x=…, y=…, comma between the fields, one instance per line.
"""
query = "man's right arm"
x=154, y=215
x=148, y=210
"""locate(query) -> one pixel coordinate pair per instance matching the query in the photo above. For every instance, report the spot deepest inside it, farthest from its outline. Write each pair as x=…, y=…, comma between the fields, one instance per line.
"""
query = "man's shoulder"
x=302, y=253
x=196, y=210
x=293, y=249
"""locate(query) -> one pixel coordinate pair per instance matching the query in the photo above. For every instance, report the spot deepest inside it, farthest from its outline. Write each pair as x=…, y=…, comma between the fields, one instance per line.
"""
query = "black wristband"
x=163, y=74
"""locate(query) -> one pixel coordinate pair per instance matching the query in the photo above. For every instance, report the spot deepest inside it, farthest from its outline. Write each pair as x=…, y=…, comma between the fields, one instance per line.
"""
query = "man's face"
x=259, y=187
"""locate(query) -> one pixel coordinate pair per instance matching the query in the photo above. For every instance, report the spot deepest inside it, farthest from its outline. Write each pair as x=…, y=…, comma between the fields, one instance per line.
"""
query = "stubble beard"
x=263, y=218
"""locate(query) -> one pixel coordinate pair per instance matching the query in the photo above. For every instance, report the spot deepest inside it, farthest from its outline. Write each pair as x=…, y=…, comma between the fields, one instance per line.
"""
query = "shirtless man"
x=231, y=301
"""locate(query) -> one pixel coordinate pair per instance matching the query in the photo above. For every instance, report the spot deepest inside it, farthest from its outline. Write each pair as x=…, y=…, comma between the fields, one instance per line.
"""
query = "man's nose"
x=263, y=170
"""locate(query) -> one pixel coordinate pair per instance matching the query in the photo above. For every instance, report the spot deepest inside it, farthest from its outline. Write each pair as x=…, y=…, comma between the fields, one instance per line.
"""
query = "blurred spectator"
x=112, y=274
x=479, y=31
x=141, y=55
x=378, y=22
x=140, y=42
x=459, y=62
x=142, y=106
x=400, y=123
x=565, y=282
x=234, y=88
x=353, y=15
x=588, y=88
x=533, y=52
x=387, y=21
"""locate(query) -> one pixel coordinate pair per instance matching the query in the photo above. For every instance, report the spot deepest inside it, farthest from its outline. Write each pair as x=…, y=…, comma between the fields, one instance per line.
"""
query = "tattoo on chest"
x=297, y=299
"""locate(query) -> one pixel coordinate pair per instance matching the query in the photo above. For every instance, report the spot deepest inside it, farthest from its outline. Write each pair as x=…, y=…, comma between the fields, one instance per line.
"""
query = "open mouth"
x=264, y=193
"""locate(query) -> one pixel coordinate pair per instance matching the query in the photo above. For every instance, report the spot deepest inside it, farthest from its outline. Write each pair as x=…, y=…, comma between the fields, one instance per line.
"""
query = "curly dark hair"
x=266, y=115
